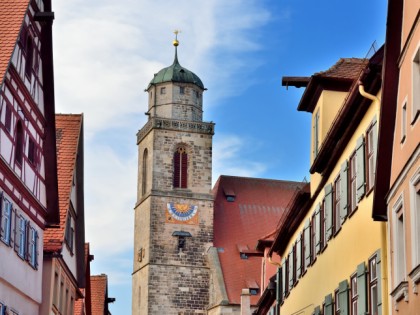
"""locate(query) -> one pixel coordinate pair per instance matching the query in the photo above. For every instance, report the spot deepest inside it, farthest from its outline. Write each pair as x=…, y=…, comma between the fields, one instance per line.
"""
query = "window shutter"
x=299, y=256
x=360, y=168
x=28, y=240
x=329, y=305
x=291, y=266
x=307, y=244
x=328, y=211
x=279, y=289
x=16, y=232
x=375, y=142
x=317, y=310
x=343, y=297
x=317, y=227
x=361, y=290
x=283, y=278
x=344, y=203
x=36, y=249
x=379, y=276
x=176, y=169
x=184, y=169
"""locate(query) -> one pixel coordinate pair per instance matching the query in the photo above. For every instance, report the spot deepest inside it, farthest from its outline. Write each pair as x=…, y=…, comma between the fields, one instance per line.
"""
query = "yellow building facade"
x=333, y=253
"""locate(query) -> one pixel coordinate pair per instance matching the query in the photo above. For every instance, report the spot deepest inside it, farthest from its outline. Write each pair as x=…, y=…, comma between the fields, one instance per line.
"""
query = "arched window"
x=19, y=143
x=180, y=168
x=144, y=173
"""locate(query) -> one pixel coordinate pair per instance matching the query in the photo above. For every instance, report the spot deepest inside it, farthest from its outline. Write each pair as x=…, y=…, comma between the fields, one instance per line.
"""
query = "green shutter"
x=344, y=203
x=279, y=289
x=283, y=278
x=299, y=256
x=329, y=305
x=317, y=226
x=317, y=310
x=379, y=276
x=361, y=289
x=360, y=168
x=375, y=142
x=291, y=266
x=328, y=211
x=307, y=241
x=343, y=297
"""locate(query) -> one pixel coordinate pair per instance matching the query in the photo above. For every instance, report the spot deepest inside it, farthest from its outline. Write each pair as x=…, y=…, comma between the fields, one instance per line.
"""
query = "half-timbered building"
x=28, y=179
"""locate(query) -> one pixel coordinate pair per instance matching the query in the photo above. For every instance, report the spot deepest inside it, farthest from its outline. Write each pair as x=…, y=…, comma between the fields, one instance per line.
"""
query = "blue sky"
x=107, y=51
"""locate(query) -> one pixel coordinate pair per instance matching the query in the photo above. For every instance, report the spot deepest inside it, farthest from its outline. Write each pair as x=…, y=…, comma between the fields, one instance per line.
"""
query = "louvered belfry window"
x=180, y=168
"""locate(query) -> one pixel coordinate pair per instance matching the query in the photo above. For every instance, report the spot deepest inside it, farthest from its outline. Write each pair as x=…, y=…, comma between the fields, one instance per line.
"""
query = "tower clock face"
x=182, y=213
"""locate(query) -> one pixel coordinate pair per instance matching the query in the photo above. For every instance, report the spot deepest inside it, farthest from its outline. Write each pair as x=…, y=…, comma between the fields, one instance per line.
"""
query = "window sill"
x=415, y=274
x=370, y=189
x=6, y=242
x=400, y=292
x=354, y=210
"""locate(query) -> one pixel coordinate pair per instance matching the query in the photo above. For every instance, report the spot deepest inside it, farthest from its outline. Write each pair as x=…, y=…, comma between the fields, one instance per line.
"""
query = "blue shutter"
x=329, y=305
x=361, y=290
x=343, y=297
x=344, y=204
x=360, y=168
x=328, y=211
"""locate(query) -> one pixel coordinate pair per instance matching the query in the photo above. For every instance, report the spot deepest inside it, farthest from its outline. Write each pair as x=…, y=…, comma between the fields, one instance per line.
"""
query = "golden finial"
x=176, y=42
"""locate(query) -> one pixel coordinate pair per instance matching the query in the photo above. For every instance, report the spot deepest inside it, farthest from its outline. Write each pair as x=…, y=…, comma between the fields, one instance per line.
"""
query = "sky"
x=106, y=52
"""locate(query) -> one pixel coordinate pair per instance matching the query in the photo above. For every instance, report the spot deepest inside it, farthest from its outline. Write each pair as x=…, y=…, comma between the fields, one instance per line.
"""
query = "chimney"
x=245, y=302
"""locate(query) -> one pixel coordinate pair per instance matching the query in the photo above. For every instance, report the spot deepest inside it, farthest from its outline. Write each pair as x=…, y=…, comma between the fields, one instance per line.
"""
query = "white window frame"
x=415, y=220
x=399, y=241
x=415, y=88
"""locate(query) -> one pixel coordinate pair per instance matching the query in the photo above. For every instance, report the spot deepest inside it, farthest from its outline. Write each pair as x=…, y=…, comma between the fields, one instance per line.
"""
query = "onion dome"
x=176, y=73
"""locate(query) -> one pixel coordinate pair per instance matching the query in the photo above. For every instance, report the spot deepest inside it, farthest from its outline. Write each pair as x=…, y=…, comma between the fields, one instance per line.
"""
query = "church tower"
x=174, y=211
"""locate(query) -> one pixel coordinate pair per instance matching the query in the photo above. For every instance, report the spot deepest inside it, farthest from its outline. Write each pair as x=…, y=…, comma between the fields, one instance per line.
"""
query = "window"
x=181, y=90
x=403, y=122
x=299, y=257
x=415, y=217
x=371, y=143
x=352, y=183
x=180, y=168
x=163, y=90
x=294, y=264
x=8, y=119
x=20, y=239
x=399, y=241
x=56, y=290
x=416, y=87
x=307, y=245
x=32, y=152
x=144, y=173
x=313, y=238
x=354, y=295
x=2, y=309
x=323, y=226
x=29, y=49
x=328, y=210
x=33, y=247
x=336, y=303
x=69, y=236
x=316, y=134
x=337, y=207
x=19, y=143
x=373, y=286
x=6, y=221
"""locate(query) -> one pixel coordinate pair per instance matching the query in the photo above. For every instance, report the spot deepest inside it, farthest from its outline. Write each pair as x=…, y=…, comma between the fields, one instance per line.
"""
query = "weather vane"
x=176, y=42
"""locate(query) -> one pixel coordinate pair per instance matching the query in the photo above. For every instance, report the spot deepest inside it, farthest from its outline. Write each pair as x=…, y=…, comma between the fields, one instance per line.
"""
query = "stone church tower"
x=174, y=210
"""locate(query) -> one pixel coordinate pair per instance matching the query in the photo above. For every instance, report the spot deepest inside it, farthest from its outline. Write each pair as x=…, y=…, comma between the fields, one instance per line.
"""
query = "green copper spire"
x=175, y=72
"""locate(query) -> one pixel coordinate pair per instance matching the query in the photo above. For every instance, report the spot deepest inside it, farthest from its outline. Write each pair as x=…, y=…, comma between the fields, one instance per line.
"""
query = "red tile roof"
x=344, y=68
x=99, y=293
x=12, y=13
x=68, y=128
x=255, y=212
x=79, y=305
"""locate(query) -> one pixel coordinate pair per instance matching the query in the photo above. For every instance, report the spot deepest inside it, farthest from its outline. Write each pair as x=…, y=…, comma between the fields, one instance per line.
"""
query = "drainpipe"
x=367, y=95
x=273, y=262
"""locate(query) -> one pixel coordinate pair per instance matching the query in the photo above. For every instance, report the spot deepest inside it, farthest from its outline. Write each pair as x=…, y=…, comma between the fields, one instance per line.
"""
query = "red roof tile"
x=12, y=13
x=255, y=212
x=99, y=288
x=344, y=68
x=68, y=128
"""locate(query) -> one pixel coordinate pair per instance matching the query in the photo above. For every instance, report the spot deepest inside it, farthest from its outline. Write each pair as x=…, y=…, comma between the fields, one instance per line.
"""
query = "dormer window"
x=229, y=194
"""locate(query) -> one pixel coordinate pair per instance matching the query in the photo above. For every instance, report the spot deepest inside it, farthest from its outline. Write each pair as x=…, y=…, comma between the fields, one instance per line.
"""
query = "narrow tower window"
x=144, y=173
x=19, y=143
x=180, y=168
x=29, y=56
